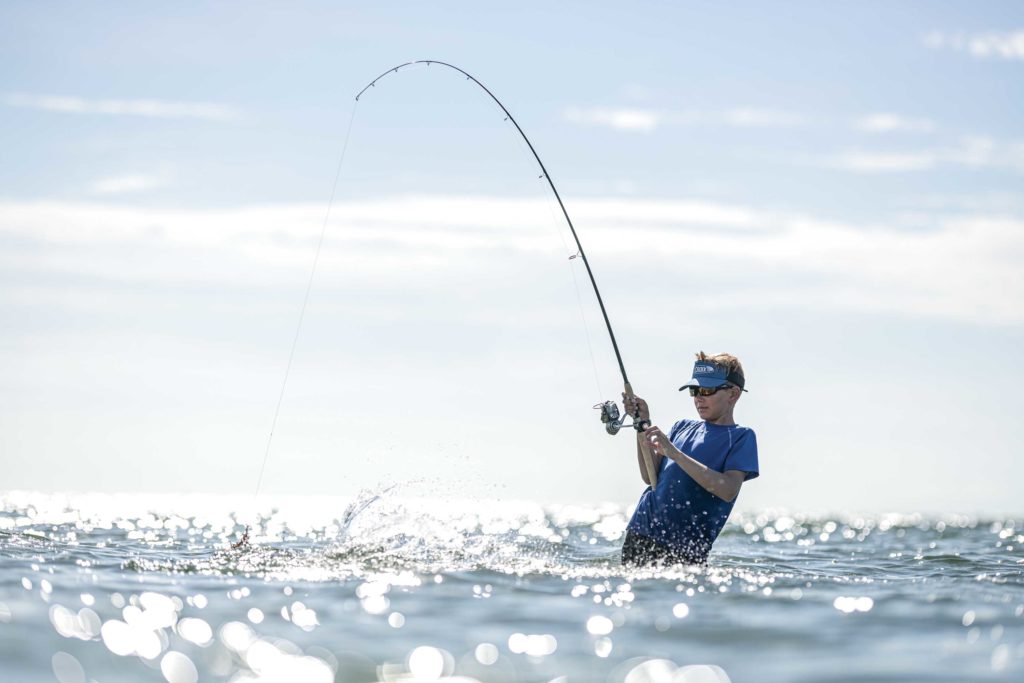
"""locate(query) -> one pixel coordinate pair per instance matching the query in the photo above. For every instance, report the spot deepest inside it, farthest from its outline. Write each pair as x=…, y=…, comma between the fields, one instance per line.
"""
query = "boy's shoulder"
x=739, y=431
x=744, y=432
x=703, y=423
x=680, y=425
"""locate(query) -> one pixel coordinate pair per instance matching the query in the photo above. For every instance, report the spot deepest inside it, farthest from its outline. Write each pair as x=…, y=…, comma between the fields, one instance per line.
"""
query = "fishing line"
x=579, y=297
x=305, y=299
x=570, y=254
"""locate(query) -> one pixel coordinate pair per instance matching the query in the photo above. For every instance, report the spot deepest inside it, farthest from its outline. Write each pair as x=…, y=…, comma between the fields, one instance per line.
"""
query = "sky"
x=832, y=192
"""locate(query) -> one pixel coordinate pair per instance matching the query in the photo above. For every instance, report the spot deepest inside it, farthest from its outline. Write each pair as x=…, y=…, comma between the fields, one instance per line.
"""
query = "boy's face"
x=716, y=406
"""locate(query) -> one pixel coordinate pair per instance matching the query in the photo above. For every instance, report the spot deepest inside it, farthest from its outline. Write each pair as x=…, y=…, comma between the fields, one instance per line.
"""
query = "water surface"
x=384, y=588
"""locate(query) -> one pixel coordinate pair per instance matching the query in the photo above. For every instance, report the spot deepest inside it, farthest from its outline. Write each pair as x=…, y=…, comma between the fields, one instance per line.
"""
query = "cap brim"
x=709, y=382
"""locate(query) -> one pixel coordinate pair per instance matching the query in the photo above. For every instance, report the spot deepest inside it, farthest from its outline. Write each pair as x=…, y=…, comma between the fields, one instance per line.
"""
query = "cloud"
x=647, y=120
x=149, y=108
x=891, y=123
x=970, y=151
x=641, y=120
x=884, y=162
x=963, y=267
x=125, y=184
x=753, y=117
x=991, y=45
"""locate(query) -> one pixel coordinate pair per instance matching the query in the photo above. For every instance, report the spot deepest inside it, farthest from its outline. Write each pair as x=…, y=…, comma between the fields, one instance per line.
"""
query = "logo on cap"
x=703, y=368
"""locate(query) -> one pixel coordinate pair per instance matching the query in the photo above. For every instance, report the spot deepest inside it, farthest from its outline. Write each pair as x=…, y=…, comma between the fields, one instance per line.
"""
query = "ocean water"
x=382, y=587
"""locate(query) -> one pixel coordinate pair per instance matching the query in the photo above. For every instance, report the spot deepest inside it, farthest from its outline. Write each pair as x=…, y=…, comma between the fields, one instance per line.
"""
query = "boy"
x=701, y=466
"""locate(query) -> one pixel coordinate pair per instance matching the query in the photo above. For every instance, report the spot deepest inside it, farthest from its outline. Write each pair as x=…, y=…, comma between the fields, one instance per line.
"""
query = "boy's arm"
x=638, y=409
x=641, y=446
x=726, y=485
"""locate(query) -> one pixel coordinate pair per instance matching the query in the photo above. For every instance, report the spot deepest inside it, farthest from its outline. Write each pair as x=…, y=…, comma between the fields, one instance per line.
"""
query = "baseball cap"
x=710, y=374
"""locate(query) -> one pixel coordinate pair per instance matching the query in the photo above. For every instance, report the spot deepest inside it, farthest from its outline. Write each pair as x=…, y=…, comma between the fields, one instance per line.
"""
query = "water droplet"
x=849, y=605
x=652, y=671
x=517, y=643
x=118, y=637
x=1000, y=657
x=195, y=631
x=375, y=604
x=305, y=618
x=67, y=668
x=701, y=673
x=599, y=625
x=486, y=654
x=237, y=636
x=426, y=663
x=178, y=668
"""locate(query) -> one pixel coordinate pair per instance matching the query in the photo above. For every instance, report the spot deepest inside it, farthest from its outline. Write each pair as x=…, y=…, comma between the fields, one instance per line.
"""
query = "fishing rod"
x=610, y=415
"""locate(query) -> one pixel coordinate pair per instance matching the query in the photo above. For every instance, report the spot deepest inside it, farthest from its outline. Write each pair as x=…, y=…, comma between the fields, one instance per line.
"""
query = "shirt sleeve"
x=743, y=456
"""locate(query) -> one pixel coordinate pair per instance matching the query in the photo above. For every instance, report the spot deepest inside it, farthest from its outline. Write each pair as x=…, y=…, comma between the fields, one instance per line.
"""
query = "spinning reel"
x=613, y=421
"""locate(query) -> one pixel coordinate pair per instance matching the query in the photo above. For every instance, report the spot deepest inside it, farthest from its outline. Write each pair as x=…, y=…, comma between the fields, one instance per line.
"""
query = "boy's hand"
x=659, y=443
x=636, y=407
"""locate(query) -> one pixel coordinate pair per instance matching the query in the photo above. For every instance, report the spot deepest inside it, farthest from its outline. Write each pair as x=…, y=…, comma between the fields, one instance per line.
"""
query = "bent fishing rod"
x=610, y=415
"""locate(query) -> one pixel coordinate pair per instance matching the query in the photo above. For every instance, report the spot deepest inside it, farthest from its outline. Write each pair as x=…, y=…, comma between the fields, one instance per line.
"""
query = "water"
x=384, y=588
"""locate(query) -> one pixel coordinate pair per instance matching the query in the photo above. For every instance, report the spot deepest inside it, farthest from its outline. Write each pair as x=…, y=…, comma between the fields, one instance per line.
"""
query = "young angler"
x=701, y=466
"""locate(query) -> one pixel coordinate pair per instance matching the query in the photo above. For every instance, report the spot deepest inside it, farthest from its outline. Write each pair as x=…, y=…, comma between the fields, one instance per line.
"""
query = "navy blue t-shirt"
x=681, y=513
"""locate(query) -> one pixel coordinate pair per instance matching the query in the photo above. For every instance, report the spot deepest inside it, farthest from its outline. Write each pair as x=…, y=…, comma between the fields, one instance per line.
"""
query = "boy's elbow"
x=731, y=485
x=728, y=493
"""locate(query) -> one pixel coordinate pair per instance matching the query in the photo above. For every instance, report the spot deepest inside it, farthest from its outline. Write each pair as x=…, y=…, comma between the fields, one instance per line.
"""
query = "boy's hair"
x=724, y=359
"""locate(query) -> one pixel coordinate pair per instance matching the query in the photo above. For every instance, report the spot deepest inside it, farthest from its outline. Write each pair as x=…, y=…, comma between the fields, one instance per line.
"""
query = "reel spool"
x=610, y=416
x=613, y=420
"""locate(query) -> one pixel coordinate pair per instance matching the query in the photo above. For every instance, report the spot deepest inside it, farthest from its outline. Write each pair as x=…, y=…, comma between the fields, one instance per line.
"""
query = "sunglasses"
x=708, y=391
